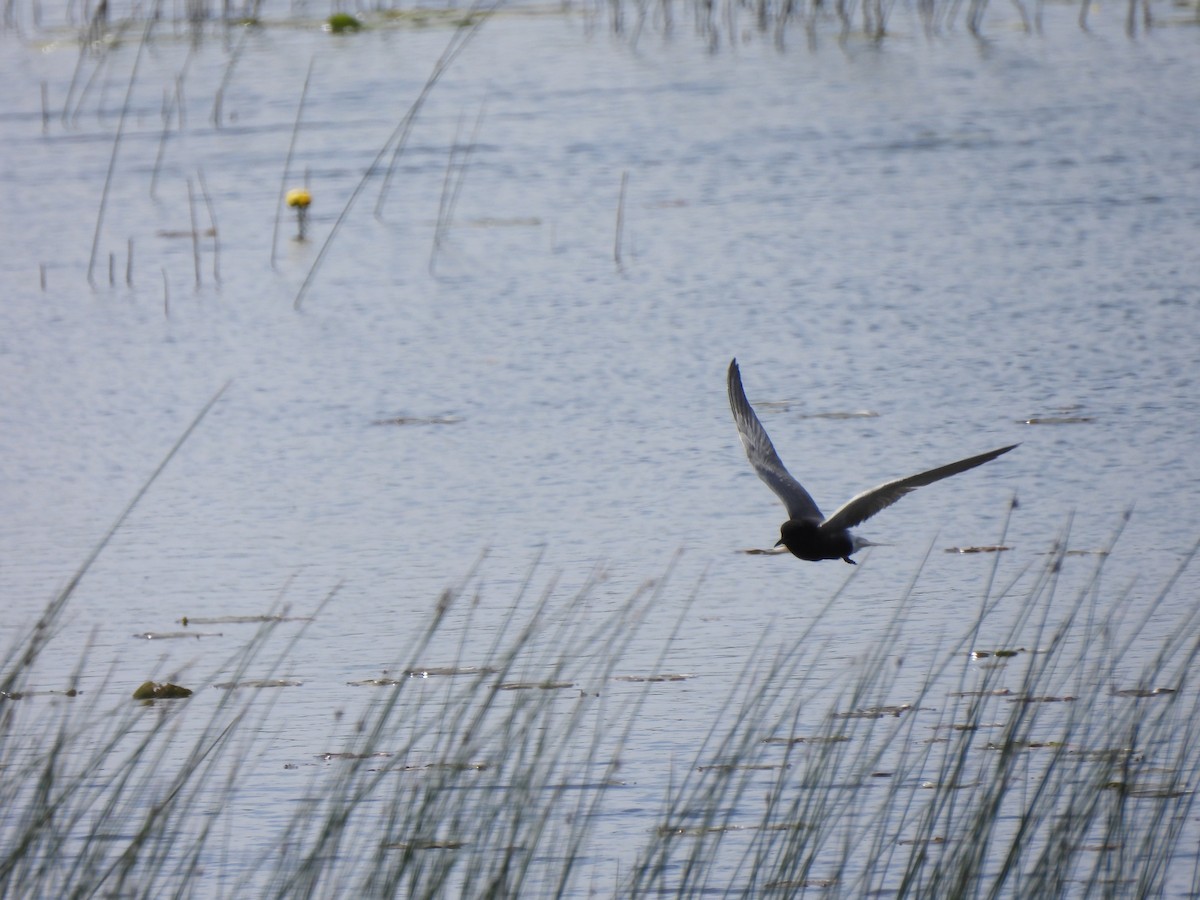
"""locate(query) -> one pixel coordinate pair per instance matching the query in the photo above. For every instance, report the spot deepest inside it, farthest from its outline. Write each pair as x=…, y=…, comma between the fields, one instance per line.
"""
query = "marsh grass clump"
x=341, y=23
x=1066, y=768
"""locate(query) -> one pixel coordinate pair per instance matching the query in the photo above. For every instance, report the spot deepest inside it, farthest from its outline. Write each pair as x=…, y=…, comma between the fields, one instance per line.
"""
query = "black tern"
x=807, y=533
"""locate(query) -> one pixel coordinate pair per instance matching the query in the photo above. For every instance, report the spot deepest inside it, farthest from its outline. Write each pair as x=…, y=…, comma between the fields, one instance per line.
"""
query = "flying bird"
x=807, y=533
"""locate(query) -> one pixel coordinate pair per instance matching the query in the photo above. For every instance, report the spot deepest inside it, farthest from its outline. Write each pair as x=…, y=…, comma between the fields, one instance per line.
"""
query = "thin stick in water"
x=456, y=174
x=479, y=13
x=195, y=230
x=168, y=103
x=212, y=221
x=112, y=162
x=42, y=636
x=476, y=15
x=219, y=99
x=620, y=220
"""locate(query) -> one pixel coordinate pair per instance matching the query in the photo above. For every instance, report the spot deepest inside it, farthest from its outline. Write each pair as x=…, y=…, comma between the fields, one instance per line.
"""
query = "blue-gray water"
x=957, y=236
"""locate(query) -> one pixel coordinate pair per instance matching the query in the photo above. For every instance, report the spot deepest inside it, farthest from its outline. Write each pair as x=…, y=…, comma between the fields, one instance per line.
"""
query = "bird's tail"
x=859, y=542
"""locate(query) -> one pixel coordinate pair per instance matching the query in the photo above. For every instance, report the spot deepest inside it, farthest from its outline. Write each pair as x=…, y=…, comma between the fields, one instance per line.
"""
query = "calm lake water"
x=913, y=247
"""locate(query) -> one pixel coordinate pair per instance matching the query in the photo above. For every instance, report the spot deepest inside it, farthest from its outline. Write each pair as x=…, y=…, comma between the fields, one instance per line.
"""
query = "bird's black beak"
x=779, y=543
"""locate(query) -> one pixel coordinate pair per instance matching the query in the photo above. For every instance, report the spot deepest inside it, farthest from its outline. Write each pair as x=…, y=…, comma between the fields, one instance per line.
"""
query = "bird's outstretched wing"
x=763, y=457
x=859, y=509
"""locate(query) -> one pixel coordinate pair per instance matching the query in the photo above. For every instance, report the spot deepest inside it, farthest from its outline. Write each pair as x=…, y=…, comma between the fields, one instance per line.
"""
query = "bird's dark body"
x=806, y=540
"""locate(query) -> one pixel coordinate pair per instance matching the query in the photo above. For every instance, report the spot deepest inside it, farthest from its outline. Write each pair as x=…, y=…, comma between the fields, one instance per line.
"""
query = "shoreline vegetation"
x=1013, y=769
x=100, y=23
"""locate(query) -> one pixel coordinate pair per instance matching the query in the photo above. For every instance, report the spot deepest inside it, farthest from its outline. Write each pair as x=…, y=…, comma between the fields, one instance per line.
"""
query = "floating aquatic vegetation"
x=1120, y=755
x=1069, y=414
x=1144, y=692
x=431, y=671
x=176, y=635
x=534, y=685
x=701, y=830
x=265, y=683
x=448, y=767
x=419, y=420
x=150, y=690
x=423, y=17
x=1025, y=745
x=999, y=654
x=837, y=416
x=1057, y=420
x=653, y=679
x=189, y=235
x=772, y=551
x=425, y=845
x=742, y=767
x=1157, y=791
x=801, y=884
x=997, y=692
x=22, y=695
x=834, y=415
x=969, y=726
x=987, y=548
x=378, y=754
x=340, y=23
x=187, y=621
x=1046, y=699
x=873, y=712
x=514, y=222
x=813, y=739
x=423, y=672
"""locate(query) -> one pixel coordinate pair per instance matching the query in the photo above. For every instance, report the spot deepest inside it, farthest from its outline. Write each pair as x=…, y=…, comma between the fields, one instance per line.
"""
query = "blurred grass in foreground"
x=499, y=776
